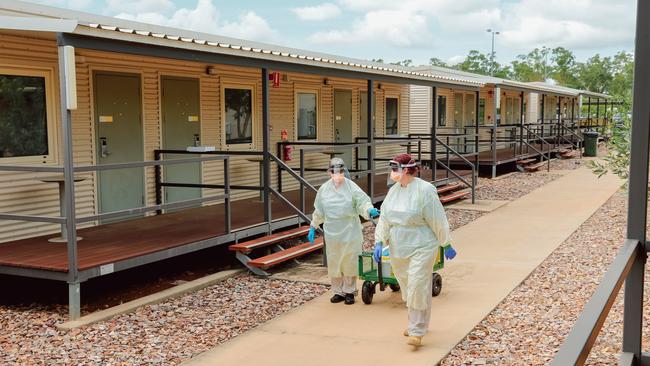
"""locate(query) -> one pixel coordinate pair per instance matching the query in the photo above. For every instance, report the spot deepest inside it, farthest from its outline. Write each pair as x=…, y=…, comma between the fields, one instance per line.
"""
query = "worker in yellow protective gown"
x=414, y=224
x=338, y=205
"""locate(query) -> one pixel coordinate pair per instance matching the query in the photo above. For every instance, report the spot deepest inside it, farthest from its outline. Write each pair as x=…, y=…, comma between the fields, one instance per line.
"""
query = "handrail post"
x=226, y=183
x=477, y=132
x=302, y=175
x=266, y=133
x=158, y=181
x=419, y=154
x=279, y=155
x=448, y=161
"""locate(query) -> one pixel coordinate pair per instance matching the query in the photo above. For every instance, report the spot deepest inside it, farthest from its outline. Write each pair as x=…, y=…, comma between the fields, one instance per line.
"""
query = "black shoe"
x=349, y=299
x=337, y=298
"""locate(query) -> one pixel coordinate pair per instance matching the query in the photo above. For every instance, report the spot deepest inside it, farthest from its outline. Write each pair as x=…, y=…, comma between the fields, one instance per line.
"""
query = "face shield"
x=337, y=170
x=396, y=171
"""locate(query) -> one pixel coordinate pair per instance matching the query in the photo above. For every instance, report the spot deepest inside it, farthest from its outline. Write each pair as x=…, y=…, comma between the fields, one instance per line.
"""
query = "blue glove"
x=450, y=253
x=373, y=212
x=377, y=252
x=312, y=233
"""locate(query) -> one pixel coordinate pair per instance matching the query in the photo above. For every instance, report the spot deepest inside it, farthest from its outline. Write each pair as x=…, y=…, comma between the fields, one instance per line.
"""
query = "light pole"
x=494, y=33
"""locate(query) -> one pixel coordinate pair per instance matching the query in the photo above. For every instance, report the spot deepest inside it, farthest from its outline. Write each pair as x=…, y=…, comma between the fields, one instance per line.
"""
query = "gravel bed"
x=530, y=324
x=512, y=186
x=163, y=334
x=566, y=164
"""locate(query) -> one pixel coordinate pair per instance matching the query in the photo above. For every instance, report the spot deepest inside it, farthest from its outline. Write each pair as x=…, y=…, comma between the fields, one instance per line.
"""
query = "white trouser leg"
x=419, y=321
x=349, y=284
x=344, y=285
x=337, y=285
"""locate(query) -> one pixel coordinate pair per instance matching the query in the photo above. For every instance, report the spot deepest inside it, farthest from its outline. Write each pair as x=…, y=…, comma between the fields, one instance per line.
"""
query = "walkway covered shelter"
x=125, y=143
x=593, y=112
x=504, y=122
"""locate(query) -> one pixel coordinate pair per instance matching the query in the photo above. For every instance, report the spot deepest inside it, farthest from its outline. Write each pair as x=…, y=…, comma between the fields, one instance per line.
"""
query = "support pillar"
x=477, y=132
x=266, y=133
x=434, y=128
x=371, y=137
x=521, y=124
x=638, y=184
x=68, y=102
x=559, y=122
x=589, y=113
x=497, y=121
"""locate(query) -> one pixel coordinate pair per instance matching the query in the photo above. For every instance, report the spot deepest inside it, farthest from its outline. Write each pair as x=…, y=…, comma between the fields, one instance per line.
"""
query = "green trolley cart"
x=371, y=274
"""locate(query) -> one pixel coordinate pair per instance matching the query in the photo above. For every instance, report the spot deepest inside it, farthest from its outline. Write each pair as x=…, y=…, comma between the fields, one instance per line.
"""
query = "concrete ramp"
x=496, y=253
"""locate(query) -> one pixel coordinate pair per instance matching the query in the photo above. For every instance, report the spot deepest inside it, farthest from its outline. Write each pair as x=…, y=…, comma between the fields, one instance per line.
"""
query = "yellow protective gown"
x=339, y=211
x=413, y=222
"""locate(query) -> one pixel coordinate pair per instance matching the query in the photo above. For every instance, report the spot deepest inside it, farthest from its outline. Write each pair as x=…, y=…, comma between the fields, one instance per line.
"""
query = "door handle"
x=103, y=146
x=197, y=140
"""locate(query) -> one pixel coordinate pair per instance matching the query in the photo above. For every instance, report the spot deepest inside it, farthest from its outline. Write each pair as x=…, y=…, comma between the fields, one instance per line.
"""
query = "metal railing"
x=544, y=143
x=578, y=344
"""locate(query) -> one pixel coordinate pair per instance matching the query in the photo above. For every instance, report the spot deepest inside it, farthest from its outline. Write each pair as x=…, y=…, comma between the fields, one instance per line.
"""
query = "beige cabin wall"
x=23, y=193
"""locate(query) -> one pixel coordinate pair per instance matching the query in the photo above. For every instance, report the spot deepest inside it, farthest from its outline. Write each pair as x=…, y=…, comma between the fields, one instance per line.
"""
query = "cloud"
x=206, y=18
x=453, y=60
x=69, y=4
x=140, y=6
x=317, y=13
x=401, y=28
x=601, y=23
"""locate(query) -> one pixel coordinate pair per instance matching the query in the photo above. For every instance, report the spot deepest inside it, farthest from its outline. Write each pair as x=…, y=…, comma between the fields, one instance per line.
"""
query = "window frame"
x=50, y=114
x=398, y=99
x=481, y=110
x=231, y=84
x=442, y=112
x=297, y=108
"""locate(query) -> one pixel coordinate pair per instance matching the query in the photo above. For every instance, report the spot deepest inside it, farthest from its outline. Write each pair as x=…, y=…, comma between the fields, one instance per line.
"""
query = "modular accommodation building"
x=132, y=143
x=504, y=122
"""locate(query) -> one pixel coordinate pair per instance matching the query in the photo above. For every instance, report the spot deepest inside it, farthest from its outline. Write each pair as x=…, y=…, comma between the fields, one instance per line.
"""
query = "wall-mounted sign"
x=192, y=118
x=105, y=119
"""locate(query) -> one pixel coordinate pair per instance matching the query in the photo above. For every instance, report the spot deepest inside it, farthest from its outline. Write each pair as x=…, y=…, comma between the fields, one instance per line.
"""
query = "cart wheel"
x=367, y=291
x=395, y=288
x=437, y=284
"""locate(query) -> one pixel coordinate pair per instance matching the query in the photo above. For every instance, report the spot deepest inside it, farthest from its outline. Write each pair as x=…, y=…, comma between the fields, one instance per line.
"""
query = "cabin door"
x=343, y=122
x=119, y=139
x=181, y=126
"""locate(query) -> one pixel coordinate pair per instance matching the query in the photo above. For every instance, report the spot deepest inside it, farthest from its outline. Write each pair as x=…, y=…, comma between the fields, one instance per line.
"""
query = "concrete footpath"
x=495, y=254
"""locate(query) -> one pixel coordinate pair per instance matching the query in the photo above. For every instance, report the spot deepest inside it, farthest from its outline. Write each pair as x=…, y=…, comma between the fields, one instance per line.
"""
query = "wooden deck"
x=123, y=240
x=508, y=155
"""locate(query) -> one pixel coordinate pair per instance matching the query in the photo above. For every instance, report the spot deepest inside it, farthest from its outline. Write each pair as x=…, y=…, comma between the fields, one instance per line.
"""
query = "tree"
x=380, y=60
x=595, y=74
x=434, y=61
x=564, y=69
x=532, y=66
x=408, y=62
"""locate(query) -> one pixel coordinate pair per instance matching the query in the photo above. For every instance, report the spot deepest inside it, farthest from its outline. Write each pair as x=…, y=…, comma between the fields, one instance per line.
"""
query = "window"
x=307, y=115
x=481, y=111
x=391, y=116
x=239, y=115
x=470, y=106
x=23, y=116
x=442, y=110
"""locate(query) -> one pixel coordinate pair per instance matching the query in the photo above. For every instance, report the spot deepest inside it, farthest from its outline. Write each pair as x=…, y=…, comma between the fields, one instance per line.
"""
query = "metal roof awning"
x=119, y=35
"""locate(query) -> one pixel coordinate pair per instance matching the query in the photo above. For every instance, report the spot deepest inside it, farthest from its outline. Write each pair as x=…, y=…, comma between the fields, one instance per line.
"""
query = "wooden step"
x=534, y=167
x=449, y=187
x=248, y=246
x=455, y=196
x=287, y=254
x=526, y=161
x=568, y=154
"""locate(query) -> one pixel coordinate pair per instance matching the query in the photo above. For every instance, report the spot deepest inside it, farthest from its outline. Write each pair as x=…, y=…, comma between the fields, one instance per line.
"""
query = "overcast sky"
x=395, y=29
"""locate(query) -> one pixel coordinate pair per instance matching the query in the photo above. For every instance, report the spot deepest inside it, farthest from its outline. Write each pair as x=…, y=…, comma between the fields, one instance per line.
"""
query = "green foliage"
x=617, y=160
x=480, y=63
x=434, y=61
x=408, y=62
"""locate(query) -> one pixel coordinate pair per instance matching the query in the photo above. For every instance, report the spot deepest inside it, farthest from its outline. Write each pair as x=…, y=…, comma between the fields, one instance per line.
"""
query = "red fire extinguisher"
x=286, y=149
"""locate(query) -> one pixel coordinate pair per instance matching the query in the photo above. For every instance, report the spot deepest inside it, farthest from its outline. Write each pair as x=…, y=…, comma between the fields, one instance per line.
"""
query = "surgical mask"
x=337, y=177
